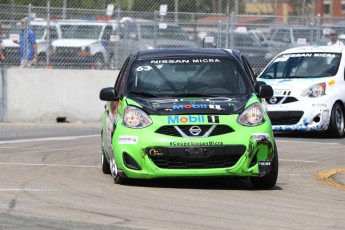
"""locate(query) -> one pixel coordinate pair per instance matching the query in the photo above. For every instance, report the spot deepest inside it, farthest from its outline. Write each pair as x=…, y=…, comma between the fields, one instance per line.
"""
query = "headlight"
x=136, y=118
x=84, y=51
x=252, y=116
x=317, y=90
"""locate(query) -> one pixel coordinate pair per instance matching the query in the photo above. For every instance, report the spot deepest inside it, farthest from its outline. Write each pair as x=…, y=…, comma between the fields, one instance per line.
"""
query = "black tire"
x=112, y=62
x=105, y=164
x=99, y=62
x=121, y=180
x=104, y=161
x=41, y=61
x=116, y=175
x=269, y=180
x=336, y=125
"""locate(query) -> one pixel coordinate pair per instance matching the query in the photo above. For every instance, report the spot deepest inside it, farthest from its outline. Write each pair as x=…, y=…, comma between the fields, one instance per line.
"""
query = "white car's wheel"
x=336, y=127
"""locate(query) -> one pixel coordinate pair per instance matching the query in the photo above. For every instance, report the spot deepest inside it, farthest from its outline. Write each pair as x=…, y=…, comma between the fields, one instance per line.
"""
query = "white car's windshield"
x=38, y=30
x=187, y=77
x=303, y=65
x=81, y=31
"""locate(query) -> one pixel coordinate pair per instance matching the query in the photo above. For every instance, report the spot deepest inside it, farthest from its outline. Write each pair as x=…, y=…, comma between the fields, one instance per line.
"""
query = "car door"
x=111, y=109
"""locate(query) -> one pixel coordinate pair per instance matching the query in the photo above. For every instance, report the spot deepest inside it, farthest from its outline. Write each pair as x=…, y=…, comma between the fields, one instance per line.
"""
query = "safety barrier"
x=49, y=95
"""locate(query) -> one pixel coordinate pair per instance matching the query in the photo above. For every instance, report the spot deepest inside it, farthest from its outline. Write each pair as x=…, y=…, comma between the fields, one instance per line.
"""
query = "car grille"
x=285, y=117
x=281, y=100
x=213, y=129
x=67, y=50
x=195, y=157
x=12, y=55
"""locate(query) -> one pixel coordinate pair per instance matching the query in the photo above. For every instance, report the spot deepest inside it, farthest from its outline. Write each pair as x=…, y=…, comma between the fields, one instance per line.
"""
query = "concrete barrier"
x=43, y=95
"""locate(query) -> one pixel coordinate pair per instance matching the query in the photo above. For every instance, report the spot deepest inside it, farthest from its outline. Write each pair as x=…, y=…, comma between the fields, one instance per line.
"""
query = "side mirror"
x=263, y=90
x=108, y=94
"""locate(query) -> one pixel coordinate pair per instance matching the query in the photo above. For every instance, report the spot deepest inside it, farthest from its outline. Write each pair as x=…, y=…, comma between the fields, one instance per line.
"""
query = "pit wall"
x=43, y=95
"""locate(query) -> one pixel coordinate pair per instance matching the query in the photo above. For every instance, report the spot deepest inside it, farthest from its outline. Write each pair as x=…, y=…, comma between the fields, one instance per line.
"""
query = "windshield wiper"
x=141, y=93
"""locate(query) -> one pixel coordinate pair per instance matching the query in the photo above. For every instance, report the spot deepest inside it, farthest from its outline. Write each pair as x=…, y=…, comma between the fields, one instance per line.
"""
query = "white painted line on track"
x=296, y=174
x=28, y=190
x=47, y=139
x=302, y=161
x=50, y=165
x=21, y=147
x=308, y=142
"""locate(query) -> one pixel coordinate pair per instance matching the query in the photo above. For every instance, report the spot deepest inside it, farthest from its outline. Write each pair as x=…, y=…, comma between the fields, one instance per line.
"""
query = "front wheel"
x=118, y=179
x=269, y=180
x=104, y=161
x=98, y=62
x=41, y=61
x=336, y=126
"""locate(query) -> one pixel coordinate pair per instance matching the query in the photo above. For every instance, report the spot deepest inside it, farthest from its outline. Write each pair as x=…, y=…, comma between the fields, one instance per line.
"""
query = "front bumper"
x=240, y=154
x=12, y=56
x=297, y=116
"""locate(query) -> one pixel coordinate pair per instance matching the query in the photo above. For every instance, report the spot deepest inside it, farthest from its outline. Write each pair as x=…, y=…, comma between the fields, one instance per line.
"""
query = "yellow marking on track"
x=325, y=177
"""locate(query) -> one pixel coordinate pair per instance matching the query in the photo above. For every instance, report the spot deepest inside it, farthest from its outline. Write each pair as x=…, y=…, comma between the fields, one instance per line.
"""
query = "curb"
x=327, y=177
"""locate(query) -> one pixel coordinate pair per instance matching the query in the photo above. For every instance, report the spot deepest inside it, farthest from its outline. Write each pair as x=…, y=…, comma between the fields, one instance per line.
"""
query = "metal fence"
x=103, y=38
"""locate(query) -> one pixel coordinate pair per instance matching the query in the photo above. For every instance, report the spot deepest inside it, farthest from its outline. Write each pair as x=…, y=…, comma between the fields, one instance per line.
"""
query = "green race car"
x=188, y=113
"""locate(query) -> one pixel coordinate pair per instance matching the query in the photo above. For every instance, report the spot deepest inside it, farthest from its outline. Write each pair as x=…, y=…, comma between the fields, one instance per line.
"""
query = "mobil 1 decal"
x=213, y=119
x=192, y=119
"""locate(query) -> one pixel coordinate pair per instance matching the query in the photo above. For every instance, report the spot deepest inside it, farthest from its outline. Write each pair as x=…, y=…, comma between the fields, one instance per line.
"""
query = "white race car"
x=309, y=89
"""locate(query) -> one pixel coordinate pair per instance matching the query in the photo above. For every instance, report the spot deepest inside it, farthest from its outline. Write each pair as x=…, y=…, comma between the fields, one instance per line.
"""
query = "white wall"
x=42, y=95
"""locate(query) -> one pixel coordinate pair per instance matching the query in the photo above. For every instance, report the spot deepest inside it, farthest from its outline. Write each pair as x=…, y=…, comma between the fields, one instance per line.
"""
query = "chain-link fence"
x=102, y=38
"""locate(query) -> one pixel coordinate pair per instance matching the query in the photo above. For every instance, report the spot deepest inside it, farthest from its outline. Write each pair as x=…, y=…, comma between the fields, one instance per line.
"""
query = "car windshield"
x=187, y=77
x=38, y=30
x=168, y=32
x=244, y=39
x=308, y=35
x=303, y=65
x=81, y=31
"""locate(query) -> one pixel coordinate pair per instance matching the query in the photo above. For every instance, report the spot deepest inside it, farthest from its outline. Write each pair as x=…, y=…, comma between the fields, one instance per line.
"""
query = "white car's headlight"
x=252, y=116
x=135, y=118
x=317, y=90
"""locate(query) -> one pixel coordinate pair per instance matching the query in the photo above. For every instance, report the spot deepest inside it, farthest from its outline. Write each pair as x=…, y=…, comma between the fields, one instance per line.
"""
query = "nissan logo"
x=273, y=100
x=195, y=130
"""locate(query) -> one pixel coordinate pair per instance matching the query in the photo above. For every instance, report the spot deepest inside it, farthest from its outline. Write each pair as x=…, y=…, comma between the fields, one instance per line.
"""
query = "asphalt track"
x=51, y=179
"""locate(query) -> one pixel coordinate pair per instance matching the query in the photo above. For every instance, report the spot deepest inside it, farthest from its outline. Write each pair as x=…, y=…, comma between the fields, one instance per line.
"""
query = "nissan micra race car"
x=187, y=113
x=309, y=90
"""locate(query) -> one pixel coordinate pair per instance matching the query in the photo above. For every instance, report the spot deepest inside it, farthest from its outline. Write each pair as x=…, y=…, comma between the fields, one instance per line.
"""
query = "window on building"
x=327, y=7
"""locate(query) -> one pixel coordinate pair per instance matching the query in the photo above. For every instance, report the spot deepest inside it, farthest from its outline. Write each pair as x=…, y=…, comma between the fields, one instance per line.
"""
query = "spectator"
x=2, y=56
x=334, y=41
x=27, y=46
